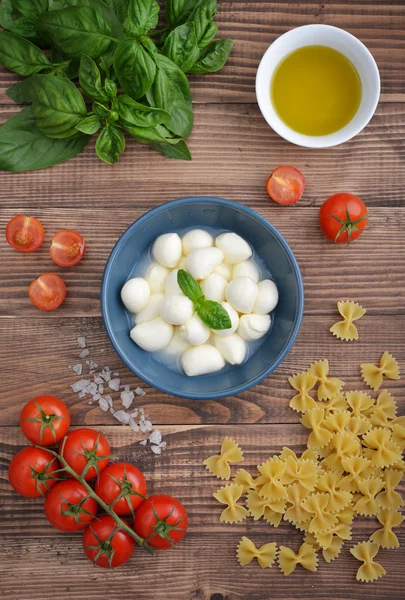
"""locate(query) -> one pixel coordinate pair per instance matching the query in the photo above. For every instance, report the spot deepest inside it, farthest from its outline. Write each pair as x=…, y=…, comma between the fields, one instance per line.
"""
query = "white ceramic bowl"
x=340, y=40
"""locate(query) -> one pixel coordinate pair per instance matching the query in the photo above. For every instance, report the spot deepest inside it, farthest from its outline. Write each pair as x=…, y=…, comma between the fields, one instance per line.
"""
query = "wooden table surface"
x=233, y=153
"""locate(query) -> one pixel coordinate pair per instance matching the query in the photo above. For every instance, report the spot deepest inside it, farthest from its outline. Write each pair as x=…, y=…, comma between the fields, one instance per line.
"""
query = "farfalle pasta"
x=346, y=330
x=247, y=551
x=271, y=511
x=359, y=402
x=333, y=550
x=337, y=402
x=327, y=386
x=302, y=471
x=218, y=464
x=229, y=495
x=245, y=479
x=321, y=519
x=306, y=557
x=338, y=498
x=356, y=467
x=385, y=537
x=295, y=513
x=369, y=570
x=303, y=383
x=344, y=444
x=373, y=374
x=383, y=451
x=319, y=436
x=338, y=421
x=389, y=497
x=272, y=472
x=367, y=504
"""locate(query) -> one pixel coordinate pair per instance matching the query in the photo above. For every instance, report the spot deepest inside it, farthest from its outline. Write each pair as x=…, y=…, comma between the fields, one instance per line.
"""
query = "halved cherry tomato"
x=285, y=185
x=45, y=420
x=67, y=248
x=25, y=234
x=47, y=292
x=68, y=506
x=32, y=472
x=122, y=486
x=343, y=217
x=105, y=545
x=161, y=520
x=86, y=451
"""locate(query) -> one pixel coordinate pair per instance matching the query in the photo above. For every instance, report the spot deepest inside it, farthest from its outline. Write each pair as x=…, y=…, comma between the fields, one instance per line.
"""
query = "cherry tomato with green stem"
x=45, y=420
x=106, y=545
x=68, y=507
x=161, y=520
x=343, y=218
x=33, y=472
x=86, y=451
x=122, y=486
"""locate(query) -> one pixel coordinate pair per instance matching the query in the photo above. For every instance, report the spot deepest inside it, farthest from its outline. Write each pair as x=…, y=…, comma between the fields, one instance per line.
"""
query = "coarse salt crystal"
x=84, y=353
x=133, y=425
x=156, y=449
x=143, y=442
x=80, y=385
x=122, y=416
x=96, y=397
x=109, y=400
x=114, y=384
x=81, y=395
x=140, y=392
x=106, y=375
x=127, y=398
x=101, y=389
x=116, y=374
x=97, y=379
x=81, y=340
x=155, y=437
x=103, y=404
x=91, y=389
x=78, y=369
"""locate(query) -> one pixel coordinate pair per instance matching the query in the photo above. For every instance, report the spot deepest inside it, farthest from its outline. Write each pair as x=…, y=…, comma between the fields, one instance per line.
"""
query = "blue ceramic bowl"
x=203, y=211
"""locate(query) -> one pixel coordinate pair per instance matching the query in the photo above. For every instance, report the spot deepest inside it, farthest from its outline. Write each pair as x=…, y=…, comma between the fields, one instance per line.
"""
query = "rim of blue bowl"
x=234, y=390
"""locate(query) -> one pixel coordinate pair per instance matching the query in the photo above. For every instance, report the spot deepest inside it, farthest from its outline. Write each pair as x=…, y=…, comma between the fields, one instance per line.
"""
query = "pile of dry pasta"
x=351, y=468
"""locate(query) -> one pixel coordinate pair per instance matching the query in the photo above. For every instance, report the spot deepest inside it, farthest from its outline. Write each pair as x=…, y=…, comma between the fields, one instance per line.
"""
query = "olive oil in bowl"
x=316, y=90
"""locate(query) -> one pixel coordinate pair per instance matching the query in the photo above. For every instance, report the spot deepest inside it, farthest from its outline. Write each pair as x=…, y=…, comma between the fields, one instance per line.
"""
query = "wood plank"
x=35, y=358
x=255, y=25
x=234, y=152
x=204, y=566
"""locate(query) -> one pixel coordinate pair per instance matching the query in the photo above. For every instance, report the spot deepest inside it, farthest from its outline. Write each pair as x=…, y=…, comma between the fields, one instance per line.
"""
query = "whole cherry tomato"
x=343, y=218
x=86, y=451
x=162, y=520
x=106, y=546
x=45, y=420
x=123, y=486
x=32, y=472
x=68, y=506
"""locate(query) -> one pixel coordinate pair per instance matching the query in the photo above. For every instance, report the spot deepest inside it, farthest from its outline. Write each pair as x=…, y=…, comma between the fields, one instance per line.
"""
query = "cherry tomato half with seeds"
x=104, y=547
x=86, y=451
x=45, y=420
x=122, y=486
x=67, y=248
x=24, y=233
x=286, y=185
x=162, y=520
x=343, y=218
x=68, y=507
x=32, y=472
x=47, y=292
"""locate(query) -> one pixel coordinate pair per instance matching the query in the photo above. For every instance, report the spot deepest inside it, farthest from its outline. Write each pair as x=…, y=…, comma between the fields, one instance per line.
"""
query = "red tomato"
x=163, y=518
x=67, y=248
x=47, y=292
x=86, y=451
x=104, y=547
x=343, y=218
x=32, y=472
x=68, y=506
x=25, y=234
x=45, y=420
x=285, y=185
x=124, y=480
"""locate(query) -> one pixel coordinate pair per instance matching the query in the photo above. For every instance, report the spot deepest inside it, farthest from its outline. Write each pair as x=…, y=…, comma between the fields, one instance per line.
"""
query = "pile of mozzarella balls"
x=164, y=317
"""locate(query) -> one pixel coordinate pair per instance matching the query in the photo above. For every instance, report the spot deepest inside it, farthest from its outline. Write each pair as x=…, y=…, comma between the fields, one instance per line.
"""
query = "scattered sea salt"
x=109, y=400
x=101, y=389
x=127, y=398
x=81, y=394
x=84, y=353
x=103, y=404
x=80, y=385
x=155, y=437
x=97, y=379
x=114, y=384
x=81, y=340
x=122, y=416
x=143, y=442
x=78, y=369
x=96, y=397
x=140, y=392
x=156, y=449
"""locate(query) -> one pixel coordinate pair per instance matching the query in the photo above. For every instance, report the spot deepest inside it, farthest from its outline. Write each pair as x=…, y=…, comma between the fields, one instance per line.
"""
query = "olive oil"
x=316, y=90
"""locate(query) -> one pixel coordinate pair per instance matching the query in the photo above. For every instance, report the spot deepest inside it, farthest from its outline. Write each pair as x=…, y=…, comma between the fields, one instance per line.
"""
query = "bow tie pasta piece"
x=302, y=471
x=359, y=402
x=321, y=519
x=373, y=375
x=367, y=505
x=398, y=433
x=310, y=538
x=346, y=515
x=303, y=383
x=320, y=436
x=271, y=511
x=333, y=550
x=369, y=570
x=390, y=498
x=384, y=409
x=247, y=551
x=327, y=386
x=385, y=537
x=356, y=467
x=308, y=454
x=218, y=464
x=385, y=452
x=338, y=499
x=344, y=446
x=338, y=421
x=336, y=403
x=346, y=329
x=230, y=494
x=245, y=479
x=306, y=557
x=295, y=513
x=272, y=471
x=325, y=539
x=359, y=425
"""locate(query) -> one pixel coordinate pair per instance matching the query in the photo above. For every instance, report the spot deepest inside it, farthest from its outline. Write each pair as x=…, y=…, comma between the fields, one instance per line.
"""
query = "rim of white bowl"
x=263, y=91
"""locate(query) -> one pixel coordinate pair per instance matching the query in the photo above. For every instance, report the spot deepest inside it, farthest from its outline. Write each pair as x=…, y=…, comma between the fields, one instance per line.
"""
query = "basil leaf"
x=171, y=91
x=90, y=79
x=213, y=57
x=143, y=15
x=101, y=110
x=189, y=286
x=120, y=8
x=31, y=8
x=208, y=35
x=178, y=11
x=134, y=67
x=177, y=150
x=89, y=125
x=20, y=91
x=23, y=147
x=76, y=30
x=110, y=88
x=149, y=44
x=201, y=16
x=110, y=144
x=20, y=55
x=139, y=114
x=213, y=315
x=57, y=105
x=144, y=135
x=181, y=46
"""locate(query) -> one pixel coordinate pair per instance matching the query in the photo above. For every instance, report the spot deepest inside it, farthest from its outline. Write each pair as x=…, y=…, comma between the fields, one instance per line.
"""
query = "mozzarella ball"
x=178, y=345
x=135, y=294
x=253, y=327
x=194, y=331
x=246, y=268
x=241, y=293
x=152, y=335
x=201, y=262
x=267, y=297
x=233, y=348
x=176, y=309
x=171, y=285
x=167, y=250
x=213, y=287
x=182, y=263
x=234, y=247
x=151, y=310
x=196, y=238
x=200, y=360
x=156, y=276
x=233, y=315
x=225, y=270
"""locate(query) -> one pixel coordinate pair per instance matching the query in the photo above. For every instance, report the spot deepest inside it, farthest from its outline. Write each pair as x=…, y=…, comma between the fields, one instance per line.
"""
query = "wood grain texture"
x=204, y=566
